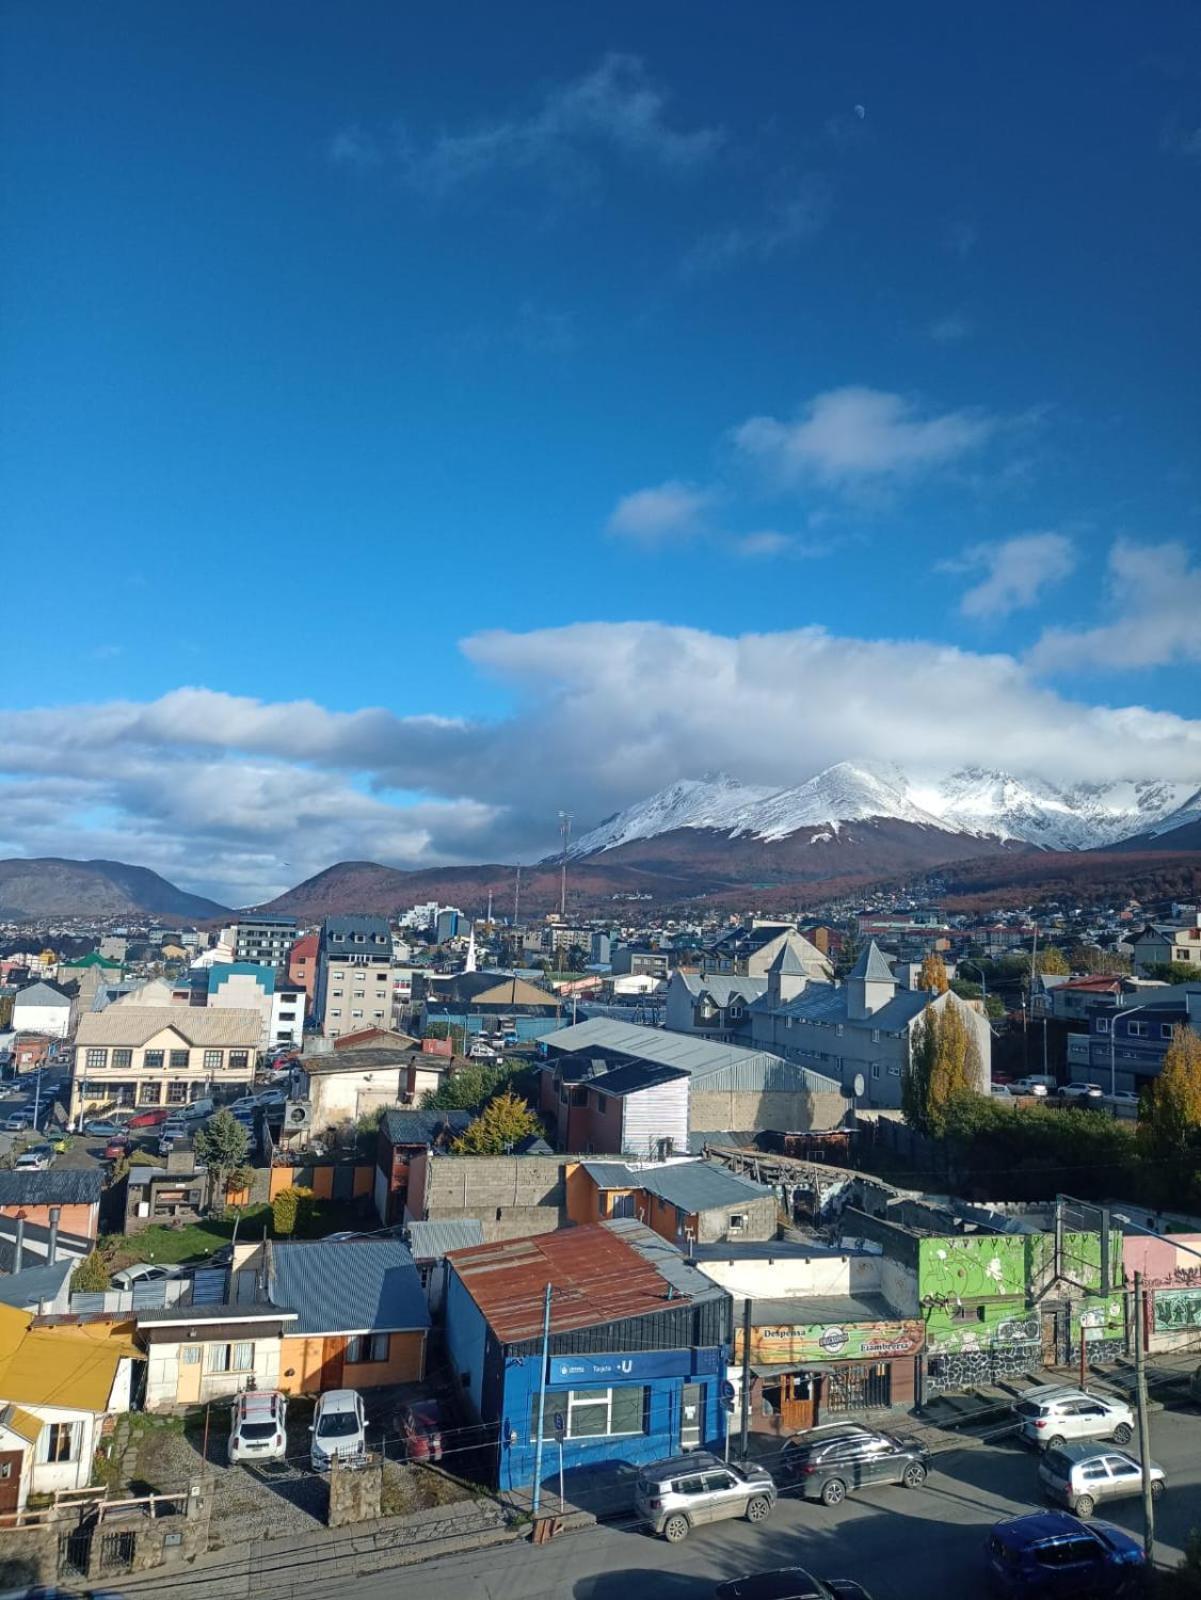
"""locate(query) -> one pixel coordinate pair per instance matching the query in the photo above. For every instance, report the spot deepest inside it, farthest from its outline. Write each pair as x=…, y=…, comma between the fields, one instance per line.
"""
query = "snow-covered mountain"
x=972, y=801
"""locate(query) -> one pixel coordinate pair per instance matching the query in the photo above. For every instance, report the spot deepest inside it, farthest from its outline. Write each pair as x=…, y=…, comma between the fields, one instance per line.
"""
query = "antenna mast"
x=565, y=834
x=517, y=894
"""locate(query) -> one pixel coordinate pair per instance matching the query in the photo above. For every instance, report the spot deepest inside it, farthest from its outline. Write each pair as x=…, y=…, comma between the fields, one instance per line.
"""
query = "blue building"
x=638, y=1349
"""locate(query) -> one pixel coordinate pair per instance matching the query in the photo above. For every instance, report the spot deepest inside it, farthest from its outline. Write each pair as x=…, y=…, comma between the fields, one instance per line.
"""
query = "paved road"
x=898, y=1543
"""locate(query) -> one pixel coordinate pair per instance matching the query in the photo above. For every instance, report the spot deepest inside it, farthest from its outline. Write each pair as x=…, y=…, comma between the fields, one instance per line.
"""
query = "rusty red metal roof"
x=596, y=1276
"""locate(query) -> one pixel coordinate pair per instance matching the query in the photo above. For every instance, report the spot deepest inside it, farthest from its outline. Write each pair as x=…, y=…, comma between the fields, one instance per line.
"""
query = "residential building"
x=64, y=1201
x=344, y=1085
x=639, y=961
x=262, y=939
x=750, y=952
x=88, y=974
x=600, y=946
x=637, y=1348
x=1156, y=946
x=132, y=1055
x=248, y=984
x=42, y=1288
x=861, y=1028
x=29, y=1052
x=42, y=1009
x=1128, y=1037
x=713, y=1007
x=511, y=1197
x=430, y=1243
x=363, y=1317
x=480, y=1002
x=401, y=1137
x=697, y=1084
x=302, y=965
x=354, y=975
x=684, y=1201
x=200, y=1353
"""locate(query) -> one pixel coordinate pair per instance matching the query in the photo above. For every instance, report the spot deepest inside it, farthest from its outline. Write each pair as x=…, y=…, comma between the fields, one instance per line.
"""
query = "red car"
x=420, y=1426
x=149, y=1119
x=116, y=1148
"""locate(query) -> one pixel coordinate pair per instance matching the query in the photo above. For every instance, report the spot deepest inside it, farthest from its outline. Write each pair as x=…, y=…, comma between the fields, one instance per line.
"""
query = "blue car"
x=1053, y=1554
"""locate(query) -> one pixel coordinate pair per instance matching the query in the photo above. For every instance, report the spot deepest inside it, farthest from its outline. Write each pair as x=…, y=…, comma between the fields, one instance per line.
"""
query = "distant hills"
x=50, y=886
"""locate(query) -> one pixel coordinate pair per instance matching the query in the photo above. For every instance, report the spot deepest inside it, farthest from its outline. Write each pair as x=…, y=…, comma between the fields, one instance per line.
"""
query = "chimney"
x=52, y=1243
x=19, y=1245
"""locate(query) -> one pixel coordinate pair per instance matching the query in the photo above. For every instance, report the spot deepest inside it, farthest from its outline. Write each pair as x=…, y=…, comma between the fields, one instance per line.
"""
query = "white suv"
x=259, y=1430
x=339, y=1430
x=1053, y=1413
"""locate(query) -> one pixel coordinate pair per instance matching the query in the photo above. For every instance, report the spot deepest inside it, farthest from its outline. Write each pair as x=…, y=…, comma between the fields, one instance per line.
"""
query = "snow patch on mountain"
x=718, y=802
x=847, y=792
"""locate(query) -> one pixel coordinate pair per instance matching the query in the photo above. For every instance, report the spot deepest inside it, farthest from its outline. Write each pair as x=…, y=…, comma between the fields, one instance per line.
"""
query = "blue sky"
x=334, y=344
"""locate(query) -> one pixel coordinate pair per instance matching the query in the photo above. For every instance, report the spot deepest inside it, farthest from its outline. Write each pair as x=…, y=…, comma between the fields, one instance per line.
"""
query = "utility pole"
x=746, y=1380
x=565, y=834
x=537, y=1496
x=1144, y=1427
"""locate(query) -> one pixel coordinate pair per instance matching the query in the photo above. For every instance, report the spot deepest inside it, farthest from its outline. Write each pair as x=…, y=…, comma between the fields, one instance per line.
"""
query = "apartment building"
x=264, y=940
x=354, y=975
x=162, y=1055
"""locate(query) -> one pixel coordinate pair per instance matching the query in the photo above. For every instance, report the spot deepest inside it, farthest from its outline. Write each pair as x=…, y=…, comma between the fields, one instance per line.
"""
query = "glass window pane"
x=627, y=1411
x=591, y=1420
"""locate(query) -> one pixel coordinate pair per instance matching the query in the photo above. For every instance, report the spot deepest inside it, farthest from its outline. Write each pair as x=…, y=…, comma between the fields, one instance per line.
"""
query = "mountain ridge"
x=45, y=886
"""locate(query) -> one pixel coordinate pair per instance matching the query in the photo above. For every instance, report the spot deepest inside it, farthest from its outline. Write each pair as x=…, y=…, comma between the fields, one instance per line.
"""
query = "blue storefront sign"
x=617, y=1368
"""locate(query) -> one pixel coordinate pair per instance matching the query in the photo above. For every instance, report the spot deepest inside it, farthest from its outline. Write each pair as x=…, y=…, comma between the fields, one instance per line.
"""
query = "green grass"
x=197, y=1240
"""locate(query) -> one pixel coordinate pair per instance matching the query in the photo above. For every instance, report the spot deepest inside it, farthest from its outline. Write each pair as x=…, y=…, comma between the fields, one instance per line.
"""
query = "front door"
x=10, y=1479
x=332, y=1358
x=191, y=1366
x=692, y=1411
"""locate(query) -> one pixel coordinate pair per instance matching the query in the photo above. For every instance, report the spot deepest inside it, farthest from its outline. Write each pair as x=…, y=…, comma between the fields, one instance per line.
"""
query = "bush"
x=91, y=1275
x=290, y=1210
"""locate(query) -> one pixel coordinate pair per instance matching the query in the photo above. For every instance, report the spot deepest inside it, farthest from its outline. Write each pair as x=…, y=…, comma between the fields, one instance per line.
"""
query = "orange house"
x=362, y=1316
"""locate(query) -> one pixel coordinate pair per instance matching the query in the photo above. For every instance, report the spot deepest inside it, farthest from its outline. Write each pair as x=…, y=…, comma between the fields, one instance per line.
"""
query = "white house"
x=41, y=1008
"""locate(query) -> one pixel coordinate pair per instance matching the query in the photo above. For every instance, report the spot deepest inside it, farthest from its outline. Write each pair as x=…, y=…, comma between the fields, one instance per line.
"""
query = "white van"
x=197, y=1109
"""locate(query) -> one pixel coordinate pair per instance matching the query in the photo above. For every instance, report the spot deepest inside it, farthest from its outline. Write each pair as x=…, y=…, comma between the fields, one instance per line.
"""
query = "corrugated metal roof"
x=689, y=1185
x=599, y=1273
x=22, y=1423
x=795, y=1311
x=352, y=1286
x=33, y=1284
x=58, y=1186
x=224, y=1026
x=634, y=1076
x=430, y=1241
x=422, y=1127
x=696, y=1056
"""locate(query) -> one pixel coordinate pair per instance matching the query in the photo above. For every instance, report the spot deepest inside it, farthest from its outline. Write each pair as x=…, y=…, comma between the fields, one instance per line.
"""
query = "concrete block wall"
x=509, y=1195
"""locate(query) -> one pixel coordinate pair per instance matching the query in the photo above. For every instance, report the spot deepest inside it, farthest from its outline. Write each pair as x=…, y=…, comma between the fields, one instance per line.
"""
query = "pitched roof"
x=94, y=959
x=422, y=1127
x=872, y=966
x=375, y=1039
x=635, y=1076
x=827, y=1002
x=693, y=1055
x=723, y=988
x=340, y=932
x=33, y=1284
x=23, y=1423
x=134, y=1025
x=57, y=1186
x=74, y=1367
x=351, y=1286
x=430, y=1241
x=42, y=994
x=788, y=963
x=690, y=1185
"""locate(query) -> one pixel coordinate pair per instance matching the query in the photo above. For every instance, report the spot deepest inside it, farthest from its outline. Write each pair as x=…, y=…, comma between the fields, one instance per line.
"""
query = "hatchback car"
x=829, y=1463
x=259, y=1427
x=1052, y=1556
x=18, y=1121
x=150, y=1118
x=790, y=1583
x=32, y=1161
x=420, y=1426
x=682, y=1492
x=103, y=1127
x=1051, y=1414
x=339, y=1430
x=1079, y=1475
x=1082, y=1093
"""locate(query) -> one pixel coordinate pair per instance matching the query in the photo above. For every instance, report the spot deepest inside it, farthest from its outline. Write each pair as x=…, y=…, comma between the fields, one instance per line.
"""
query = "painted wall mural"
x=796, y=1344
x=1176, y=1310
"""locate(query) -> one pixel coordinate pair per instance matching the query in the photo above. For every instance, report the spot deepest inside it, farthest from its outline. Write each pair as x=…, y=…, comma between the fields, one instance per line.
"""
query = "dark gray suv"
x=829, y=1463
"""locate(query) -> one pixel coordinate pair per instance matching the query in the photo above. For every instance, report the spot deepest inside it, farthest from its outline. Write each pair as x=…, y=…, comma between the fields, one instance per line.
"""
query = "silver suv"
x=680, y=1493
x=1078, y=1475
x=1053, y=1413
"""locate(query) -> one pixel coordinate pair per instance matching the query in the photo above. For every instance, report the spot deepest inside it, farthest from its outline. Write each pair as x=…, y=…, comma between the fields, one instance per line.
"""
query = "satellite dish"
x=858, y=1085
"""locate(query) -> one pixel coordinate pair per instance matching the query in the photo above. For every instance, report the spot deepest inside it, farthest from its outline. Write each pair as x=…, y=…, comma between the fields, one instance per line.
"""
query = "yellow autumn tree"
x=944, y=1062
x=933, y=975
x=1173, y=1117
x=504, y=1121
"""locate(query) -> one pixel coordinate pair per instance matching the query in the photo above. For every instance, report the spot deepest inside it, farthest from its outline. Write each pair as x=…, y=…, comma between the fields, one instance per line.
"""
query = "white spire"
x=469, y=964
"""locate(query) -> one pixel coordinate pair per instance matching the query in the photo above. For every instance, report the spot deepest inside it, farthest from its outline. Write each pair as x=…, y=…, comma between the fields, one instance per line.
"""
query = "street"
x=898, y=1543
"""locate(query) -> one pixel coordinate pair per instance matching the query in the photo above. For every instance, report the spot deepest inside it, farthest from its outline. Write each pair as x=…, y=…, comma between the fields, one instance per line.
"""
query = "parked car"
x=144, y=1272
x=1194, y=1387
x=103, y=1127
x=1002, y=1091
x=828, y=1463
x=17, y=1122
x=258, y=1428
x=31, y=1161
x=1050, y=1554
x=1078, y=1475
x=1053, y=1413
x=420, y=1426
x=682, y=1492
x=789, y=1583
x=480, y=1051
x=196, y=1110
x=271, y=1097
x=1035, y=1086
x=339, y=1429
x=1124, y=1097
x=117, y=1147
x=151, y=1118
x=1083, y=1092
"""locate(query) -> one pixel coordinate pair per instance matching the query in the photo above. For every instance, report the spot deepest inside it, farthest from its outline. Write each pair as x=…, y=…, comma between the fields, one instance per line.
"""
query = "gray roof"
x=800, y=1310
x=695, y=1056
x=634, y=1076
x=26, y=1288
x=62, y=1186
x=42, y=994
x=689, y=1185
x=723, y=988
x=430, y=1241
x=827, y=1002
x=340, y=931
x=872, y=966
x=788, y=963
x=352, y=1286
x=422, y=1127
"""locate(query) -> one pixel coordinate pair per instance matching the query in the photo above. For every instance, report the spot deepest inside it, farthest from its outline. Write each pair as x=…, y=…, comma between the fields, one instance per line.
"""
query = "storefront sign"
x=793, y=1344
x=620, y=1368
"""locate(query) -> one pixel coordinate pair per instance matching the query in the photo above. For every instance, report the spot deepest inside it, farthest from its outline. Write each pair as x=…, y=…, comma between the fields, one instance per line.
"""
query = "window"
x=378, y=1015
x=1137, y=1030
x=593, y=1413
x=1165, y=1030
x=231, y=1357
x=875, y=1036
x=177, y=1093
x=153, y=1058
x=336, y=994
x=150, y=1094
x=239, y=1058
x=287, y=1016
x=212, y=1060
x=358, y=994
x=196, y=1091
x=367, y=1347
x=62, y=1441
x=736, y=1221
x=122, y=1058
x=336, y=1013
x=179, y=1060
x=96, y=1058
x=1102, y=1024
x=875, y=1069
x=355, y=1015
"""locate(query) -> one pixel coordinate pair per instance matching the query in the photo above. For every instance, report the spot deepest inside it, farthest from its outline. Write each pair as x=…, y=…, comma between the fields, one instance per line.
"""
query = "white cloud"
x=354, y=147
x=951, y=329
x=765, y=543
x=1017, y=571
x=615, y=108
x=1155, y=595
x=671, y=510
x=859, y=434
x=800, y=216
x=239, y=798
